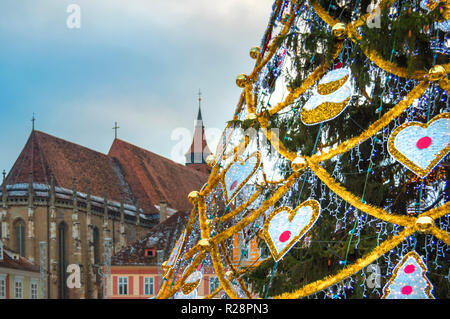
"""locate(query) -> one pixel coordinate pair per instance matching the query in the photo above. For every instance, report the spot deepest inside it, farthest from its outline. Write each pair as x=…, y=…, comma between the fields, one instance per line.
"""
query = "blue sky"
x=137, y=62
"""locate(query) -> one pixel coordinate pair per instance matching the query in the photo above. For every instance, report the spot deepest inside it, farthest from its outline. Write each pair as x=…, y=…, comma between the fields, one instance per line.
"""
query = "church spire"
x=199, y=150
x=199, y=115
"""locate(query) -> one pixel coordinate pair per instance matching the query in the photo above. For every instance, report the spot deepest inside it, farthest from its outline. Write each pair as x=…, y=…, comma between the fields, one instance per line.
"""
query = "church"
x=63, y=204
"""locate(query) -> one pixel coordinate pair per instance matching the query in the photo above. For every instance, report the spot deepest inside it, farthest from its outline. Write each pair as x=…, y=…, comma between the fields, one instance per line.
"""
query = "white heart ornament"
x=285, y=227
x=420, y=147
x=238, y=174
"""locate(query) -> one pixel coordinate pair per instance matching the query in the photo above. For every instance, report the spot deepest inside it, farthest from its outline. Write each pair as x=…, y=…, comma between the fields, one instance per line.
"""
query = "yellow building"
x=19, y=277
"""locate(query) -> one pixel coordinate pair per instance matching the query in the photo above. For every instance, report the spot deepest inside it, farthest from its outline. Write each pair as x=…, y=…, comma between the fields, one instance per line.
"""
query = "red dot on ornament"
x=407, y=290
x=410, y=269
x=338, y=65
x=285, y=236
x=424, y=142
x=233, y=185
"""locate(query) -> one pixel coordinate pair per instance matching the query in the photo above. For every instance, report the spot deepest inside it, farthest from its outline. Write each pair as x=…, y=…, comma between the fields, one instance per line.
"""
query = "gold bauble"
x=204, y=243
x=251, y=116
x=254, y=52
x=241, y=79
x=437, y=73
x=339, y=31
x=193, y=197
x=424, y=223
x=229, y=273
x=299, y=164
x=289, y=87
x=210, y=159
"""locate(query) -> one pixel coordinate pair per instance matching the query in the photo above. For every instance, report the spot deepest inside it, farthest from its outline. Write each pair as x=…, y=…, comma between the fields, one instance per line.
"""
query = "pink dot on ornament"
x=424, y=142
x=407, y=290
x=409, y=269
x=285, y=236
x=233, y=186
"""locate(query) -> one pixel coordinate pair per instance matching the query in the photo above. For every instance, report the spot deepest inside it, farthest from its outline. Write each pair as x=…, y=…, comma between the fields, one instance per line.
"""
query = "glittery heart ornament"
x=238, y=174
x=330, y=98
x=420, y=147
x=285, y=227
x=173, y=257
x=408, y=280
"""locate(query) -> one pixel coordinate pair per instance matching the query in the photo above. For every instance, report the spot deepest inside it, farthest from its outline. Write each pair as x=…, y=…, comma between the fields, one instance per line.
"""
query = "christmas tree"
x=336, y=160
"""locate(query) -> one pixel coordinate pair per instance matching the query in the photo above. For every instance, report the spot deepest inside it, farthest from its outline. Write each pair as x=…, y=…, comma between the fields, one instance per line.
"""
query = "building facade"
x=19, y=277
x=63, y=204
x=136, y=270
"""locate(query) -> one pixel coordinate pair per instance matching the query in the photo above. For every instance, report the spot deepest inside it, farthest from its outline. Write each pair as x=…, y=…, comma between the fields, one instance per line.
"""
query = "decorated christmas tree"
x=335, y=161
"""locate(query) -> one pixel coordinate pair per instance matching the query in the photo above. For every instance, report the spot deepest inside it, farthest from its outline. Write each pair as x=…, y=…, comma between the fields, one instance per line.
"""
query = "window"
x=96, y=242
x=34, y=289
x=244, y=251
x=264, y=251
x=1, y=250
x=62, y=260
x=2, y=287
x=148, y=285
x=19, y=228
x=18, y=288
x=150, y=252
x=123, y=285
x=213, y=284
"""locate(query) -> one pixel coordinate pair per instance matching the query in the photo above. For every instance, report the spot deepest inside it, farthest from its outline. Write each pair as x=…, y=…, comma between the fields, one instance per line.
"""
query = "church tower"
x=199, y=150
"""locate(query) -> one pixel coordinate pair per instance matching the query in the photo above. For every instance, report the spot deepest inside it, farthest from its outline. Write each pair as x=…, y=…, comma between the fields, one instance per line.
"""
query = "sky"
x=140, y=63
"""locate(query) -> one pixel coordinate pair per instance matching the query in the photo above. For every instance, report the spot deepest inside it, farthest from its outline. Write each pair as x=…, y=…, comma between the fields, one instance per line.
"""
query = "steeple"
x=199, y=150
x=199, y=115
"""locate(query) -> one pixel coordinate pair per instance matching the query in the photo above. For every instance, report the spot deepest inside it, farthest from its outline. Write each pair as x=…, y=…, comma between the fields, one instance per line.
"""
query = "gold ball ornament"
x=339, y=31
x=251, y=116
x=210, y=159
x=289, y=87
x=424, y=223
x=437, y=73
x=254, y=52
x=299, y=164
x=193, y=197
x=229, y=273
x=204, y=243
x=241, y=80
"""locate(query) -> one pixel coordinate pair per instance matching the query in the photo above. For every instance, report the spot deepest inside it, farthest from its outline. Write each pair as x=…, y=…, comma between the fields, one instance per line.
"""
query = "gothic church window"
x=62, y=258
x=19, y=230
x=96, y=239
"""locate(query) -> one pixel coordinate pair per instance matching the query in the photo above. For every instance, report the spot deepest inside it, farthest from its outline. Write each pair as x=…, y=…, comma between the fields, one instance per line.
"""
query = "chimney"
x=162, y=211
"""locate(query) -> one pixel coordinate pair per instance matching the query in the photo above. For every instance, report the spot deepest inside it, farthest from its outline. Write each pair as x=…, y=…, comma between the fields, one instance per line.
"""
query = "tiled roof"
x=128, y=171
x=20, y=263
x=161, y=237
x=153, y=178
x=44, y=154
